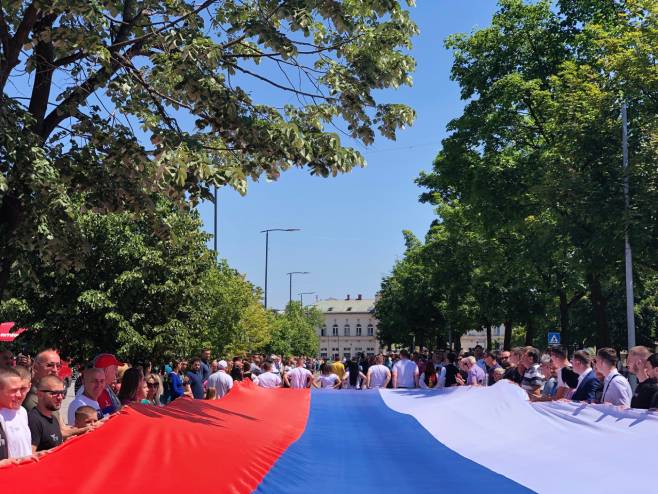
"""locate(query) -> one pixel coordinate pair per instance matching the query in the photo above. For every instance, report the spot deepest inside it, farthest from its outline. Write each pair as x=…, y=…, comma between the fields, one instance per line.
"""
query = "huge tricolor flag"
x=464, y=440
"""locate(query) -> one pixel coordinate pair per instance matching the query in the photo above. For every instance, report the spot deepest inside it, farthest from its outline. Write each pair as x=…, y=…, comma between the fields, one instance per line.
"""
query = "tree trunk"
x=507, y=341
x=564, y=318
x=488, y=335
x=529, y=332
x=10, y=214
x=599, y=305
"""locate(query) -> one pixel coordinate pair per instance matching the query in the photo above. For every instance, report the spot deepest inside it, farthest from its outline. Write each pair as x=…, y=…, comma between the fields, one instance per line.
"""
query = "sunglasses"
x=153, y=385
x=53, y=392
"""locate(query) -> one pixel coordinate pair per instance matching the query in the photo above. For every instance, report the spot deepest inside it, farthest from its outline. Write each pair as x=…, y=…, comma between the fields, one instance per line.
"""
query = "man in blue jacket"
x=588, y=384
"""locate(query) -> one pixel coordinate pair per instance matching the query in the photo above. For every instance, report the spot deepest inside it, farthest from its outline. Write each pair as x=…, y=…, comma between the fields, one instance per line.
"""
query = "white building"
x=473, y=337
x=349, y=327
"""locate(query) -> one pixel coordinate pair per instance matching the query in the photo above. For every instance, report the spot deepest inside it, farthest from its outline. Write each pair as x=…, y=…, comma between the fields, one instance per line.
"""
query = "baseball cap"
x=222, y=364
x=106, y=360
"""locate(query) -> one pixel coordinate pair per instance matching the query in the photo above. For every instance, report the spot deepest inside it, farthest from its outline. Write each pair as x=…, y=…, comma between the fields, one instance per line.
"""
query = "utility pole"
x=301, y=297
x=290, y=287
x=215, y=225
x=267, y=249
x=630, y=312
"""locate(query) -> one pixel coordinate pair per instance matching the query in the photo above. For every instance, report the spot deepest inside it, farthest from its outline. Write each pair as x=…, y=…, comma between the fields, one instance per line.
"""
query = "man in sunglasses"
x=46, y=363
x=44, y=426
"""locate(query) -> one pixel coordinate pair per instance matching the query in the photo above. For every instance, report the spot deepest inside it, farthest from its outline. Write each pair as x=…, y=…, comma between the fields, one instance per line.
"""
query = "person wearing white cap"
x=220, y=380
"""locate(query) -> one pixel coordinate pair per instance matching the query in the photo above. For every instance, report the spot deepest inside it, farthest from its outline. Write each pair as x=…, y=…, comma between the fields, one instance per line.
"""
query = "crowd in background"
x=32, y=390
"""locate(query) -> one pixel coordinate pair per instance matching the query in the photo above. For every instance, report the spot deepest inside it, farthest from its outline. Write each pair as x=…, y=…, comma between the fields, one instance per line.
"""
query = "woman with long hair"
x=429, y=378
x=133, y=388
x=154, y=390
x=353, y=378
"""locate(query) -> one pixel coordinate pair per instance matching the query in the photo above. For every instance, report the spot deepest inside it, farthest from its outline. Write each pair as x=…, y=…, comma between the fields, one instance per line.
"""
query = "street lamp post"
x=215, y=224
x=267, y=244
x=628, y=256
x=301, y=296
x=290, y=276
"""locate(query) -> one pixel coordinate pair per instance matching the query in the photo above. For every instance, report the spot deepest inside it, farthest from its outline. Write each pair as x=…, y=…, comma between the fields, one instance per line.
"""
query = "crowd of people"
x=32, y=390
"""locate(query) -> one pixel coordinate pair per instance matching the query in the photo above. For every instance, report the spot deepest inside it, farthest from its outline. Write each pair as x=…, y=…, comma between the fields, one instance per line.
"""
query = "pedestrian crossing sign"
x=553, y=338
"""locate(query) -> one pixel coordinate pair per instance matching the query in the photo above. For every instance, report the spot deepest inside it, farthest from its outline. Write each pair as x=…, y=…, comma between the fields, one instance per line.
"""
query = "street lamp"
x=301, y=296
x=628, y=256
x=290, y=276
x=267, y=243
x=215, y=223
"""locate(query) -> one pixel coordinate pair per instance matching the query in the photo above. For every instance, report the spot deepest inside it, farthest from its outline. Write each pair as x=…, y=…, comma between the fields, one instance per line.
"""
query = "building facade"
x=349, y=328
x=473, y=337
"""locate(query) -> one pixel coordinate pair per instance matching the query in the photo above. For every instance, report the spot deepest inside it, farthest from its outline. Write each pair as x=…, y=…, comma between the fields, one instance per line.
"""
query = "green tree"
x=534, y=161
x=295, y=331
x=408, y=305
x=130, y=97
x=231, y=310
x=136, y=293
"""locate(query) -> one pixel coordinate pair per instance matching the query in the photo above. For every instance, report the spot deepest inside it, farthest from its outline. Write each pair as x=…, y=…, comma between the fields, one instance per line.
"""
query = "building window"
x=334, y=330
x=371, y=330
x=323, y=355
x=346, y=330
x=323, y=330
x=358, y=330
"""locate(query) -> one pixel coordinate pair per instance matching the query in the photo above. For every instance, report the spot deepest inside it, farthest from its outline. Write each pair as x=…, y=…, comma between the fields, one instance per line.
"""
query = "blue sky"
x=352, y=225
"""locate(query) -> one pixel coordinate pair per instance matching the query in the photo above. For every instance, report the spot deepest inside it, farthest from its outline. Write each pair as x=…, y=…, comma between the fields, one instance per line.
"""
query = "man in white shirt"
x=616, y=388
x=13, y=416
x=268, y=379
x=405, y=372
x=220, y=380
x=378, y=375
x=299, y=377
x=94, y=384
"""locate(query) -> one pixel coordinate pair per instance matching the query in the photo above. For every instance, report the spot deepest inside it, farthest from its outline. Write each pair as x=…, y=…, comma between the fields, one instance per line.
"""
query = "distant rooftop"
x=354, y=305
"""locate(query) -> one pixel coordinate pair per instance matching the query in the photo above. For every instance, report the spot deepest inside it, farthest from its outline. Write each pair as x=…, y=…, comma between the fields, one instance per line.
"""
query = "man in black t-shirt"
x=44, y=426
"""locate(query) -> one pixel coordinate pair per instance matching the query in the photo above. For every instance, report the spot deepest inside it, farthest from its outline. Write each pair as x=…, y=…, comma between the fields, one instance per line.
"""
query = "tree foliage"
x=528, y=186
x=231, y=310
x=295, y=331
x=103, y=104
x=136, y=294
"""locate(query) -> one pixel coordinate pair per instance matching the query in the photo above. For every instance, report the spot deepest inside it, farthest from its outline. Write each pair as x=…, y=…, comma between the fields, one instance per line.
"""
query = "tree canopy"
x=528, y=186
x=105, y=104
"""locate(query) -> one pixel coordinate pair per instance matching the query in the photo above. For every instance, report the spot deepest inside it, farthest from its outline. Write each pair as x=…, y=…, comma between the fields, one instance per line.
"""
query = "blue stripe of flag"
x=354, y=442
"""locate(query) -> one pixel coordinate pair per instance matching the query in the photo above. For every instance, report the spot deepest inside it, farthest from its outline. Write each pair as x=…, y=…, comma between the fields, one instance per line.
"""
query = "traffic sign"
x=553, y=339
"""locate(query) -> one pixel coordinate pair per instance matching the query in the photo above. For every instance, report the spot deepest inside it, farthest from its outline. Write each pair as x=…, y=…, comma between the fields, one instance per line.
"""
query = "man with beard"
x=44, y=426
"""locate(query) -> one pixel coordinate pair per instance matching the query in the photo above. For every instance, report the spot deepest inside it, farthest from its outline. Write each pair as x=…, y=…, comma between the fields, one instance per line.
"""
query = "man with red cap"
x=108, y=401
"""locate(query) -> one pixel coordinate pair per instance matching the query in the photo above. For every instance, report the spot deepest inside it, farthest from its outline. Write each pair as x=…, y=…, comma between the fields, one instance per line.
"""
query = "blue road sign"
x=553, y=338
